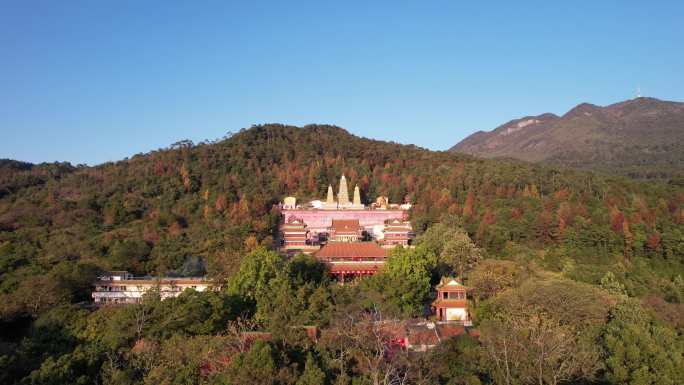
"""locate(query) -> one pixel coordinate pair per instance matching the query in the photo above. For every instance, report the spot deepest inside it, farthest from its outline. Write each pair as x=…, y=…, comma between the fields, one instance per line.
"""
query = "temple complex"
x=321, y=226
x=319, y=215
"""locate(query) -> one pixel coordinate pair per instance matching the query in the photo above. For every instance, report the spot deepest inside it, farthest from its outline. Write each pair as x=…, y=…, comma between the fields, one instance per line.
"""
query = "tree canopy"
x=574, y=277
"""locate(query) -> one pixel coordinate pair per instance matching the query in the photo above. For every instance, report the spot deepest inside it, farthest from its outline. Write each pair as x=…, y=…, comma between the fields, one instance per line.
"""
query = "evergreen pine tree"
x=313, y=374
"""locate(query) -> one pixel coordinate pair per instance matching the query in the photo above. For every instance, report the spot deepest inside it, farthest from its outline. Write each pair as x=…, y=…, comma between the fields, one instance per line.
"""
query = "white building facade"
x=121, y=287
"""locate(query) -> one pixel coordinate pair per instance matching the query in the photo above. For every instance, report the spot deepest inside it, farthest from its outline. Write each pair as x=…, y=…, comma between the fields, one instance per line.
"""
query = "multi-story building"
x=345, y=230
x=348, y=260
x=451, y=303
x=294, y=233
x=397, y=232
x=121, y=287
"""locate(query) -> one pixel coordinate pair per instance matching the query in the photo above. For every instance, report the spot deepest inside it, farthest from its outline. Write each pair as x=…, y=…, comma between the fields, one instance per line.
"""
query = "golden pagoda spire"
x=343, y=194
x=331, y=200
x=357, y=196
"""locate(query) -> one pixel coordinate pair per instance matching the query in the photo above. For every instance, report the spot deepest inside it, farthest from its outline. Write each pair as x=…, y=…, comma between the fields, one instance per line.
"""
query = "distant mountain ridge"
x=642, y=137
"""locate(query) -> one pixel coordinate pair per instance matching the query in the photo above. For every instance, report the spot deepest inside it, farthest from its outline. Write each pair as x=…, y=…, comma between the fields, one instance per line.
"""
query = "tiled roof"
x=345, y=224
x=448, y=331
x=450, y=284
x=422, y=334
x=351, y=249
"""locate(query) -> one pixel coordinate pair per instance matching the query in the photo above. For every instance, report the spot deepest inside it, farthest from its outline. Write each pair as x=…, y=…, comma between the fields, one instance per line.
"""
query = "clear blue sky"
x=93, y=81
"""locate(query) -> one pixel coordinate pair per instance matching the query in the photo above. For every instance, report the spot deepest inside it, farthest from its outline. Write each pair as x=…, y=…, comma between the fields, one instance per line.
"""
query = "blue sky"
x=89, y=82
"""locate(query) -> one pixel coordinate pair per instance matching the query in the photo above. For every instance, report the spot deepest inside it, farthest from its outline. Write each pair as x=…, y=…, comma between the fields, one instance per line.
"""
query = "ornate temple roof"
x=345, y=226
x=450, y=283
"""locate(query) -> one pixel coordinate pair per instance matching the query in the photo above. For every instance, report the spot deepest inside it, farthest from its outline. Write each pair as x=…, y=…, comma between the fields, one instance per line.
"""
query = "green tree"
x=610, y=284
x=257, y=269
x=193, y=313
x=639, y=351
x=544, y=332
x=256, y=366
x=303, y=268
x=491, y=277
x=129, y=254
x=312, y=374
x=283, y=306
x=79, y=367
x=460, y=253
x=456, y=252
x=298, y=296
x=180, y=359
x=402, y=286
x=456, y=361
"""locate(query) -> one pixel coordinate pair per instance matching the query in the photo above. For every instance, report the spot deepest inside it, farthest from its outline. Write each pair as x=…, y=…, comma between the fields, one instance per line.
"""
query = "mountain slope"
x=643, y=137
x=196, y=207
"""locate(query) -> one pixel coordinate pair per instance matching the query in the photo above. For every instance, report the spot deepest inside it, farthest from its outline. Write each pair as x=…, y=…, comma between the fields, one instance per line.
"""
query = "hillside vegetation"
x=548, y=252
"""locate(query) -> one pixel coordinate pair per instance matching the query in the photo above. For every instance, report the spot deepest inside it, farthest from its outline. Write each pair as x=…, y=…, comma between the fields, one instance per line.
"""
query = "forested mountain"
x=642, y=137
x=605, y=244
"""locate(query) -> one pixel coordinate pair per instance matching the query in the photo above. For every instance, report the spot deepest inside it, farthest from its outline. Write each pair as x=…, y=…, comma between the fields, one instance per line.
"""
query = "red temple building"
x=397, y=232
x=345, y=230
x=306, y=227
x=294, y=233
x=451, y=303
x=348, y=260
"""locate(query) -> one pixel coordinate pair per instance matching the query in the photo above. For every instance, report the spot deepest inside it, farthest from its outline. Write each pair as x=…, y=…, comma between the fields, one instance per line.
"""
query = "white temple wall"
x=456, y=314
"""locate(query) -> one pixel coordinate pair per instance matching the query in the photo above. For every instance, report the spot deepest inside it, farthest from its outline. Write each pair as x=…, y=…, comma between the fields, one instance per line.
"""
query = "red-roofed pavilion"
x=348, y=260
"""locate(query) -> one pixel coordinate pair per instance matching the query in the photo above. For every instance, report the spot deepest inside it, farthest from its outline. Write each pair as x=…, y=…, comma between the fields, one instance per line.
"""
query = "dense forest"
x=575, y=277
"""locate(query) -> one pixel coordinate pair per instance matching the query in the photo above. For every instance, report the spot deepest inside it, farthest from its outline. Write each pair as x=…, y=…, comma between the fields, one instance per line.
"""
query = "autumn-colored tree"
x=468, y=205
x=491, y=277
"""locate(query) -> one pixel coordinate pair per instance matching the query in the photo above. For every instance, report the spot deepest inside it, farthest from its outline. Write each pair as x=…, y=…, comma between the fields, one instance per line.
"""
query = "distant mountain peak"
x=521, y=124
x=583, y=109
x=643, y=132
